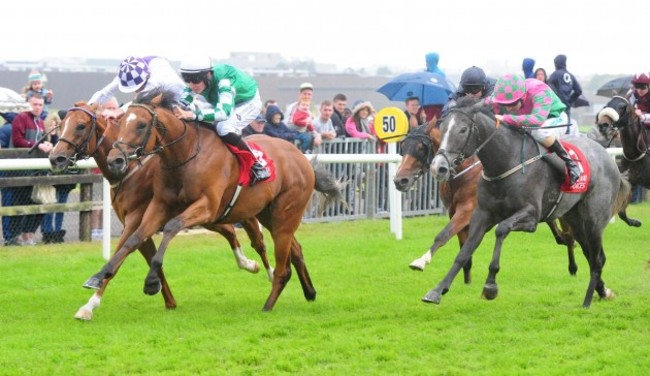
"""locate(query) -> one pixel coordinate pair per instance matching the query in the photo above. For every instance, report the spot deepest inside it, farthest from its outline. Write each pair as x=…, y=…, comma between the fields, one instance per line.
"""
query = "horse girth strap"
x=512, y=170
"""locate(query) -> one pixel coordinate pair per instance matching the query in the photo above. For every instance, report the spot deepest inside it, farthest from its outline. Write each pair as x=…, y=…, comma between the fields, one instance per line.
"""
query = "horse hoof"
x=417, y=266
x=432, y=296
x=93, y=283
x=609, y=294
x=490, y=291
x=253, y=267
x=152, y=288
x=635, y=223
x=83, y=315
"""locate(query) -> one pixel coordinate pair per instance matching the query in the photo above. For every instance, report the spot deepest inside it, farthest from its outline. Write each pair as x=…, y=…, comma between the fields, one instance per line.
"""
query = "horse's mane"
x=472, y=105
x=167, y=100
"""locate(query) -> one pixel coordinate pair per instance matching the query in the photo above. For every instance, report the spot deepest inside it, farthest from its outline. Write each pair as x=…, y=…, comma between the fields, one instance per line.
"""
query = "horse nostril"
x=442, y=170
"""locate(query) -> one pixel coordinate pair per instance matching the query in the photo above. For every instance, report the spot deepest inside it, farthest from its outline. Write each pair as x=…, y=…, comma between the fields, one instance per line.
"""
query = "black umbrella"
x=581, y=101
x=618, y=86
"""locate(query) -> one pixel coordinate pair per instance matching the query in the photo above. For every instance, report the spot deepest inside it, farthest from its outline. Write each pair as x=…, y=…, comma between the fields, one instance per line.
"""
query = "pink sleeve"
x=351, y=129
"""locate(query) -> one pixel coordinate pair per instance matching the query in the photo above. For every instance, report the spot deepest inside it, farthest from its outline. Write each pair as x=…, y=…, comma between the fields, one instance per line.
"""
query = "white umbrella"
x=10, y=101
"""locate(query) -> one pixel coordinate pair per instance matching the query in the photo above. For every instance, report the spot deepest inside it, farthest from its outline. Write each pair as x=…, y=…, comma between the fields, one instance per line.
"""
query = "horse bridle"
x=461, y=155
x=139, y=151
x=641, y=145
x=80, y=151
x=427, y=142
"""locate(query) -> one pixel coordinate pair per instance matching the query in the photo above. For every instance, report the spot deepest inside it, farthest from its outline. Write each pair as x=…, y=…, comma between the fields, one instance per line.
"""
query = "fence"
x=367, y=189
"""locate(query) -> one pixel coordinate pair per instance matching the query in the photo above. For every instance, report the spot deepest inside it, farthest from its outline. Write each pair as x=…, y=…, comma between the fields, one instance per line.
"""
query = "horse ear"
x=157, y=100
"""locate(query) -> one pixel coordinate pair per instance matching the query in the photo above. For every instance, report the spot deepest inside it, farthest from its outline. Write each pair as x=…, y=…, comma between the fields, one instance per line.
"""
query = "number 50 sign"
x=391, y=124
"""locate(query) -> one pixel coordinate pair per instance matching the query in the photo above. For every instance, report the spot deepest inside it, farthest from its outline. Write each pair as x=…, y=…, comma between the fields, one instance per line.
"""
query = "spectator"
x=414, y=114
x=236, y=102
x=527, y=66
x=275, y=127
x=267, y=103
x=139, y=75
x=36, y=85
x=52, y=225
x=323, y=123
x=8, y=232
x=338, y=118
x=255, y=127
x=302, y=119
x=27, y=128
x=361, y=123
x=306, y=93
x=473, y=82
x=432, y=59
x=540, y=74
x=564, y=84
x=432, y=111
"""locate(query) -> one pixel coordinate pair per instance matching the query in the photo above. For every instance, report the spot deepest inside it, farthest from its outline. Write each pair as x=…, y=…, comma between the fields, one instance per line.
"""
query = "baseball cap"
x=260, y=117
x=306, y=85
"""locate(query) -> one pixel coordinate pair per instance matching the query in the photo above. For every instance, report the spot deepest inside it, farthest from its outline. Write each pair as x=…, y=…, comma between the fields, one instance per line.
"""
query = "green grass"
x=367, y=319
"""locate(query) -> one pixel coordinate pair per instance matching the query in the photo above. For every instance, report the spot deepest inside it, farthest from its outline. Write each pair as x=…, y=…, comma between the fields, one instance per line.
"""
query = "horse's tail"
x=623, y=197
x=327, y=185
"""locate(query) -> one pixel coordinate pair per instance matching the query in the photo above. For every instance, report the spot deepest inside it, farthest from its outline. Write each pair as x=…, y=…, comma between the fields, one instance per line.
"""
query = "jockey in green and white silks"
x=235, y=101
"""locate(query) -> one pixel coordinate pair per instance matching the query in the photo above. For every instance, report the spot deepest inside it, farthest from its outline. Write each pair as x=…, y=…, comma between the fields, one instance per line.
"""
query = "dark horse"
x=635, y=139
x=85, y=135
x=458, y=194
x=517, y=191
x=196, y=184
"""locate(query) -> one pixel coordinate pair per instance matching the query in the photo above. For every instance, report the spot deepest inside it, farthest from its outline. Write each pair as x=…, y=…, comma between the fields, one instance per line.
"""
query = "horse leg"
x=565, y=233
x=458, y=222
x=282, y=241
x=480, y=225
x=196, y=214
x=228, y=232
x=298, y=261
x=252, y=228
x=629, y=221
x=520, y=221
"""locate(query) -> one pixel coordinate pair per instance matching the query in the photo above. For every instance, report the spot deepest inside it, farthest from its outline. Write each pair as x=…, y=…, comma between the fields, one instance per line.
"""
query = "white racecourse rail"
x=395, y=203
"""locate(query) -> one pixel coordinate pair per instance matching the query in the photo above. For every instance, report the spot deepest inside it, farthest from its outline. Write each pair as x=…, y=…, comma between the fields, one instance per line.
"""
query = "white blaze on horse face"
x=127, y=121
x=445, y=137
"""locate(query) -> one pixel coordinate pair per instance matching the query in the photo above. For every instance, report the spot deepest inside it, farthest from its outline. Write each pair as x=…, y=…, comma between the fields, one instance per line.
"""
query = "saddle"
x=558, y=164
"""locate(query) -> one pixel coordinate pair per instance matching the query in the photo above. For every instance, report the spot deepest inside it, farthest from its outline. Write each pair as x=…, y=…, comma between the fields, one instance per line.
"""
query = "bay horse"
x=87, y=135
x=458, y=195
x=196, y=184
x=518, y=190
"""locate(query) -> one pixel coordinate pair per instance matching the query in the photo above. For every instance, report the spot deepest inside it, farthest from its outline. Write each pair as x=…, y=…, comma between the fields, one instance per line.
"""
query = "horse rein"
x=138, y=151
x=643, y=149
x=461, y=155
x=80, y=152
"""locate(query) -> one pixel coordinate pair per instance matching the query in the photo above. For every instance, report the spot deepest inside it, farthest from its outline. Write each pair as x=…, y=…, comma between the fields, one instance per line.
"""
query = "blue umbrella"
x=430, y=88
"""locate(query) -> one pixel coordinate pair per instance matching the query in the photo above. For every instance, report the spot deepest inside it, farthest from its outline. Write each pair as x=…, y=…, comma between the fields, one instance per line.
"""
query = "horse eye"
x=141, y=126
x=81, y=127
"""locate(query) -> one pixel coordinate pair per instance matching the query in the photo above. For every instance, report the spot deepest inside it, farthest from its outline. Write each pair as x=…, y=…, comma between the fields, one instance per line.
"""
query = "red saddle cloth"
x=246, y=160
x=582, y=183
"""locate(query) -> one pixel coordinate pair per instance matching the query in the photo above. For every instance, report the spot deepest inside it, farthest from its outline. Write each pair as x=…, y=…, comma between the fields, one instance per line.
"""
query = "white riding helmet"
x=196, y=65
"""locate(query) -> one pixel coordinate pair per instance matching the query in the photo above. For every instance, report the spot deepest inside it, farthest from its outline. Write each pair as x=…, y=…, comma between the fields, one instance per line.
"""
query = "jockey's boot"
x=258, y=171
x=571, y=166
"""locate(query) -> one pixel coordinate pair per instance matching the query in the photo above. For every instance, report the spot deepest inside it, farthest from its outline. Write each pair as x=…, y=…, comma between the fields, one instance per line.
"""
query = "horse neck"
x=633, y=136
x=181, y=141
x=101, y=154
x=504, y=150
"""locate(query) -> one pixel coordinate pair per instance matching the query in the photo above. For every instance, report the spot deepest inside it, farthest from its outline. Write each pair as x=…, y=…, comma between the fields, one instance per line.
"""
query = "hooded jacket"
x=432, y=59
x=528, y=66
x=279, y=130
x=563, y=83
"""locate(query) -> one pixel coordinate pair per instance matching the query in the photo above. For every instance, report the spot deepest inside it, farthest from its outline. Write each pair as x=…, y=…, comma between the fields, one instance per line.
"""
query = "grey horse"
x=518, y=190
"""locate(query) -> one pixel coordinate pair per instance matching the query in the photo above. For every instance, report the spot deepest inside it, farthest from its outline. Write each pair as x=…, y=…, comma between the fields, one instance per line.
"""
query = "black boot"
x=58, y=236
x=48, y=237
x=572, y=168
x=258, y=171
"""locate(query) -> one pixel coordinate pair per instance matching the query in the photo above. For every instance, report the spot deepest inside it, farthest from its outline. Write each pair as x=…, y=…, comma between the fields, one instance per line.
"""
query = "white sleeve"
x=162, y=75
x=106, y=93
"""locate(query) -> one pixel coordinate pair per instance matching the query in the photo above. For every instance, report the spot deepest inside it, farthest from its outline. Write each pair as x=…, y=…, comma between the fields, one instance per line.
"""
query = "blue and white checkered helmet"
x=134, y=72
